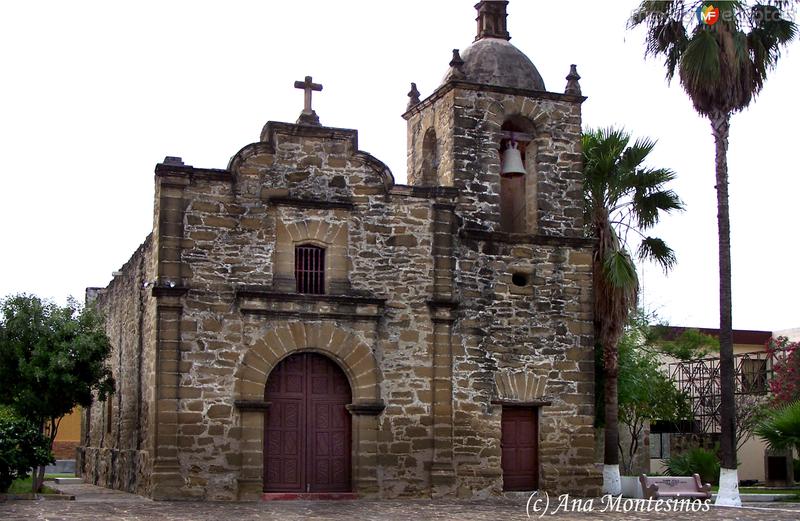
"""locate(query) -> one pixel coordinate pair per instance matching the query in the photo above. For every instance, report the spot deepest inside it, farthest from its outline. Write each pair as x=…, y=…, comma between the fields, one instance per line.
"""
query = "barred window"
x=309, y=269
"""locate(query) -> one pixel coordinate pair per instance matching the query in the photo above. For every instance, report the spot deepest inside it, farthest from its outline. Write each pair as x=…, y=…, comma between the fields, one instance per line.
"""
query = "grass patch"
x=63, y=475
x=23, y=486
x=760, y=490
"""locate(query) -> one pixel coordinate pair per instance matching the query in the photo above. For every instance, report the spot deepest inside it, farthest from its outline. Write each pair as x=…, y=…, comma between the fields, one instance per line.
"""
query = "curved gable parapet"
x=323, y=160
x=378, y=166
x=246, y=152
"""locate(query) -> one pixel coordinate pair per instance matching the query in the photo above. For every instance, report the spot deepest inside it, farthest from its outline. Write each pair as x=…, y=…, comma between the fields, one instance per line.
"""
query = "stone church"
x=298, y=323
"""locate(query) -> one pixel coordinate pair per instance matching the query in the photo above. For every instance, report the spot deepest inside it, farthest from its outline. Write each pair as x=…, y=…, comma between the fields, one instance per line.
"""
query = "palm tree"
x=622, y=198
x=780, y=429
x=721, y=66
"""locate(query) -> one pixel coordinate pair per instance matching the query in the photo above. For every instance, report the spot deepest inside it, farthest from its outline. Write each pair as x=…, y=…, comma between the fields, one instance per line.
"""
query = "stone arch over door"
x=519, y=397
x=358, y=363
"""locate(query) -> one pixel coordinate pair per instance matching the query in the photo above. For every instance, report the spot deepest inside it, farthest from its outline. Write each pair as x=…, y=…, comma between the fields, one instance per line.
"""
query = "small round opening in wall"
x=519, y=279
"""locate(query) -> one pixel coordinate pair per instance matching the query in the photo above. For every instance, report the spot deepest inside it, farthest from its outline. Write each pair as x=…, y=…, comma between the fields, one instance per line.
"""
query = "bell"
x=512, y=161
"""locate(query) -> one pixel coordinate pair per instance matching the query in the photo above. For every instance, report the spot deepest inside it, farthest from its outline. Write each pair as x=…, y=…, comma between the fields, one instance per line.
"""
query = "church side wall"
x=115, y=451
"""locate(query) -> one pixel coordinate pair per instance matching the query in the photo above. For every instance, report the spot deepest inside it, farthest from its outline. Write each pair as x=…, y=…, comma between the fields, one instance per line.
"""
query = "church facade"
x=298, y=323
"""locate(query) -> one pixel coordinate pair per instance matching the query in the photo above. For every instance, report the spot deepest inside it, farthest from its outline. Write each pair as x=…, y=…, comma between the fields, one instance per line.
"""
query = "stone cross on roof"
x=308, y=116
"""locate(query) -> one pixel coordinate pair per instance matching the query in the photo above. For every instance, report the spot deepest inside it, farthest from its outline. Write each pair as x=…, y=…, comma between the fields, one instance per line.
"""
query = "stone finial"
x=492, y=19
x=307, y=116
x=456, y=66
x=573, y=87
x=456, y=62
x=413, y=96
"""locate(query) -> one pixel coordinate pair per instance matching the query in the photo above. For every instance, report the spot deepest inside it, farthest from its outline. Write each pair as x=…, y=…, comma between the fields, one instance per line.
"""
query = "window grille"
x=309, y=269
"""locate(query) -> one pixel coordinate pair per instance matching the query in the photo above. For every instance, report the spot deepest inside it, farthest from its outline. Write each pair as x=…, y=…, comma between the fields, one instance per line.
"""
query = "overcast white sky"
x=94, y=94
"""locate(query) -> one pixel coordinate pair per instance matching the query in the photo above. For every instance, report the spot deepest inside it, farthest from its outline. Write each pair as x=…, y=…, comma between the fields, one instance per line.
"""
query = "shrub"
x=22, y=447
x=695, y=461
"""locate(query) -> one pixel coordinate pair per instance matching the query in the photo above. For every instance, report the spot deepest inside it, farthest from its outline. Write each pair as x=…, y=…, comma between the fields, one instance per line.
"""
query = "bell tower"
x=492, y=107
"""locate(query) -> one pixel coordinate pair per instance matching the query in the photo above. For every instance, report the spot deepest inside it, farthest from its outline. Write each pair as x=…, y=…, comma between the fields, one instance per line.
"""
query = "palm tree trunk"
x=720, y=127
x=611, y=476
x=611, y=444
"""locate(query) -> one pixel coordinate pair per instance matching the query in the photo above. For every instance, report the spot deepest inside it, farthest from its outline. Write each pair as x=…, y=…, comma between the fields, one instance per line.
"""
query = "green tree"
x=622, y=198
x=52, y=358
x=722, y=67
x=22, y=447
x=645, y=392
x=690, y=344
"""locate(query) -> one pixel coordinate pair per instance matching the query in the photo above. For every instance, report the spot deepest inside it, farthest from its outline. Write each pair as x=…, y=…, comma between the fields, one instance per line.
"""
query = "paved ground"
x=95, y=503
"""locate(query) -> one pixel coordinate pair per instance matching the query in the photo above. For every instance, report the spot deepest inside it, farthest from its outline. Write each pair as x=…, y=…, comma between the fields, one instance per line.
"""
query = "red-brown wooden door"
x=519, y=442
x=307, y=427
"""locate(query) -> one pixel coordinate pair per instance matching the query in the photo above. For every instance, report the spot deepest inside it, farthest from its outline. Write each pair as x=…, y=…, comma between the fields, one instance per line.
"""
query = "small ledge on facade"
x=430, y=192
x=442, y=303
x=169, y=290
x=366, y=409
x=252, y=405
x=310, y=203
x=525, y=238
x=442, y=310
x=517, y=403
x=266, y=301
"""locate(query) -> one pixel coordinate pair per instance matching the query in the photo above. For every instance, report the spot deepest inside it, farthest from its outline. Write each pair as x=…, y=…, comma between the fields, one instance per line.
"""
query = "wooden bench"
x=656, y=487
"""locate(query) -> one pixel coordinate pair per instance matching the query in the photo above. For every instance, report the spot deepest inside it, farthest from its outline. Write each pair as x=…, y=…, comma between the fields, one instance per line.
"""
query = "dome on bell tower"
x=492, y=59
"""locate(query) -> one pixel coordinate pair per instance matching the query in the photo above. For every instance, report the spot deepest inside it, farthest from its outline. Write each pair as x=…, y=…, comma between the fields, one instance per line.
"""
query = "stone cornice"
x=523, y=238
x=429, y=192
x=261, y=292
x=164, y=171
x=265, y=302
x=468, y=85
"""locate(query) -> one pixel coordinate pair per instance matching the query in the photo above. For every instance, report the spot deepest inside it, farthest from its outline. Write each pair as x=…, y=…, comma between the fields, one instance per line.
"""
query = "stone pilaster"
x=442, y=307
x=168, y=288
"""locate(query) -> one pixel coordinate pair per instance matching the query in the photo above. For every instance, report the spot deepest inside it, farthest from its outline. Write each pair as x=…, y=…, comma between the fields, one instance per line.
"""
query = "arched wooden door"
x=307, y=427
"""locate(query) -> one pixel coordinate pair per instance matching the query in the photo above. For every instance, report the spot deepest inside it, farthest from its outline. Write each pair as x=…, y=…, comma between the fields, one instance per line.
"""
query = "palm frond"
x=619, y=269
x=700, y=63
x=655, y=249
x=781, y=428
x=647, y=207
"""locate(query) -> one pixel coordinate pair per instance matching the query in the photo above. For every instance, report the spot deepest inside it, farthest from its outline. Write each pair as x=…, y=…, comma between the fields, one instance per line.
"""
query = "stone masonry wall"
x=115, y=451
x=541, y=329
x=235, y=230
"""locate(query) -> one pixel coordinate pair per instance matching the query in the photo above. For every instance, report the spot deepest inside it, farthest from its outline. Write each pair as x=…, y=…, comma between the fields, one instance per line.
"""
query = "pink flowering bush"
x=785, y=382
